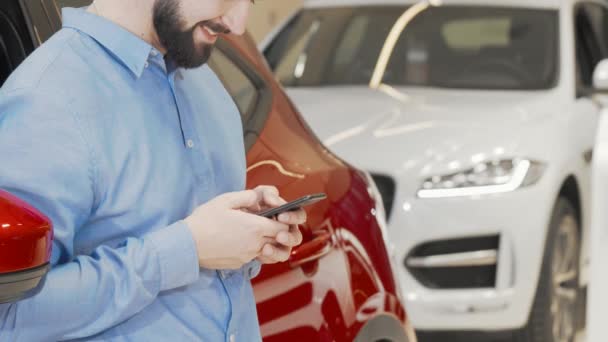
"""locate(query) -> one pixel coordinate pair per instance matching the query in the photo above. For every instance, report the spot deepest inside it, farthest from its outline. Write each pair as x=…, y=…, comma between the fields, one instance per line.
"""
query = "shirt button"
x=146, y=65
x=154, y=53
x=190, y=143
x=232, y=338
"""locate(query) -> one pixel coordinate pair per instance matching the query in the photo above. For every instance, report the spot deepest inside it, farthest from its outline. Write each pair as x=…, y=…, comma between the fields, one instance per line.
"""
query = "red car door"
x=339, y=278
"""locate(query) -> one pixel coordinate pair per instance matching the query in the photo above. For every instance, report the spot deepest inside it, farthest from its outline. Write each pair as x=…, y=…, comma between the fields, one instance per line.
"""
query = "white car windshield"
x=470, y=47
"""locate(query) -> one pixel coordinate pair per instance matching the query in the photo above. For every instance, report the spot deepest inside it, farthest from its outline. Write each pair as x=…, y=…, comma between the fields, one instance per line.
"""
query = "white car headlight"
x=484, y=178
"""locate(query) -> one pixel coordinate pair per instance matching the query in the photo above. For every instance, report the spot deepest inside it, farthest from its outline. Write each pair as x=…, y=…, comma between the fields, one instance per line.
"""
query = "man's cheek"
x=195, y=11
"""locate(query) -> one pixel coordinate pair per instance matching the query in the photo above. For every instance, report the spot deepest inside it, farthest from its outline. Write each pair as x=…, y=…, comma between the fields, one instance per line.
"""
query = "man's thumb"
x=241, y=199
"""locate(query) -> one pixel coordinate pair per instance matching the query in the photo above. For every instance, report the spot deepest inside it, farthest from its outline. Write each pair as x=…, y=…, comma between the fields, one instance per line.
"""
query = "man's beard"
x=178, y=42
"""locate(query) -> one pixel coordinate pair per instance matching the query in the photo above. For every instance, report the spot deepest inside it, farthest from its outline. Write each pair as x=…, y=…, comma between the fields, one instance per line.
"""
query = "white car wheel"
x=554, y=314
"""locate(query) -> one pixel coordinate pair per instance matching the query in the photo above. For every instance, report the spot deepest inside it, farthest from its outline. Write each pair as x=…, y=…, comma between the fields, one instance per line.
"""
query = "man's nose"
x=236, y=17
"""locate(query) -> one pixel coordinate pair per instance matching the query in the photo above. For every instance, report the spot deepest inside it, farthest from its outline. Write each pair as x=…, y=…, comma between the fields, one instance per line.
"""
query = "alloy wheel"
x=565, y=280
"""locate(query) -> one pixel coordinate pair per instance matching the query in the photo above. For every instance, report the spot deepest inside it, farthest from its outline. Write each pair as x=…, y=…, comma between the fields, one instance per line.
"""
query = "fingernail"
x=282, y=238
x=268, y=251
x=284, y=217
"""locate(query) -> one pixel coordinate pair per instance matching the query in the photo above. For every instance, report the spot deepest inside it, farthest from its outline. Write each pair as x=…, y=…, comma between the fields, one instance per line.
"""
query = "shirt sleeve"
x=47, y=162
x=253, y=269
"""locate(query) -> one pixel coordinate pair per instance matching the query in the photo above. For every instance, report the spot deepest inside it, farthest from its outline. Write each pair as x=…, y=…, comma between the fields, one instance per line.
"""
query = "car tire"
x=554, y=311
x=383, y=328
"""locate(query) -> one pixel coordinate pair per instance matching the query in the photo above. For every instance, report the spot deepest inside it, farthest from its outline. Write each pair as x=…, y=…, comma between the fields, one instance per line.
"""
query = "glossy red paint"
x=345, y=279
x=25, y=235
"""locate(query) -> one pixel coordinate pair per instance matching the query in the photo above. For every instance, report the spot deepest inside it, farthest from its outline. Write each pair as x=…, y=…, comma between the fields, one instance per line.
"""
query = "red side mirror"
x=25, y=248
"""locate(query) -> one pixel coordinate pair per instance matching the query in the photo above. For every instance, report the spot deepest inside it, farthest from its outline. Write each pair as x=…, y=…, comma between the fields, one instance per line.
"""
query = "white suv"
x=476, y=119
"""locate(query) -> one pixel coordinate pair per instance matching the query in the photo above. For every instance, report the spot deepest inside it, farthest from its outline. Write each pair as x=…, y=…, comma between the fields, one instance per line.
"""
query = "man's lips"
x=210, y=30
x=208, y=34
x=215, y=27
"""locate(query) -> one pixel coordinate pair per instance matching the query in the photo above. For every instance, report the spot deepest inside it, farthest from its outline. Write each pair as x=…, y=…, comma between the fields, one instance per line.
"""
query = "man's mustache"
x=216, y=27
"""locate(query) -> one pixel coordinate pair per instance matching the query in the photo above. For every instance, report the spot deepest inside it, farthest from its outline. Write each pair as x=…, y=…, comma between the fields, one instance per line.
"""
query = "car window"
x=598, y=21
x=352, y=42
x=41, y=20
x=72, y=3
x=5, y=63
x=604, y=28
x=451, y=46
x=274, y=51
x=12, y=50
x=476, y=34
x=241, y=88
x=588, y=50
x=248, y=90
x=59, y=4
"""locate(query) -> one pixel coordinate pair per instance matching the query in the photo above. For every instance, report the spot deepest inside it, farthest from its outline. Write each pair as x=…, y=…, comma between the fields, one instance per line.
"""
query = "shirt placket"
x=200, y=162
x=192, y=142
x=232, y=284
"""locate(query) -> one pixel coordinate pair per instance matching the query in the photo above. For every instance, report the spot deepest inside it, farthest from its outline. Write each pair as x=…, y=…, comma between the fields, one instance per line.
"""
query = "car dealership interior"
x=451, y=157
x=501, y=34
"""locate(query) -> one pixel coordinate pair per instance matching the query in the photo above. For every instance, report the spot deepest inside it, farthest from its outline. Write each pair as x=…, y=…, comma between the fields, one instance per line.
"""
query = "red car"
x=25, y=248
x=337, y=286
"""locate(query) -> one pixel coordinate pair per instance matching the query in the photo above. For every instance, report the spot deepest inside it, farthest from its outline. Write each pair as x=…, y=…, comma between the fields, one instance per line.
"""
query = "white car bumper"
x=520, y=219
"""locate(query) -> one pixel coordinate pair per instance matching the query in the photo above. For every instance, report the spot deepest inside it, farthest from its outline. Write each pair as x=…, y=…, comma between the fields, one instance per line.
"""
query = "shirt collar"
x=131, y=50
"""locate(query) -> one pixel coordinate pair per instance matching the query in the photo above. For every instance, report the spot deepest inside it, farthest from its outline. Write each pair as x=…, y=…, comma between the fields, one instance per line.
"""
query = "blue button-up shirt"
x=117, y=147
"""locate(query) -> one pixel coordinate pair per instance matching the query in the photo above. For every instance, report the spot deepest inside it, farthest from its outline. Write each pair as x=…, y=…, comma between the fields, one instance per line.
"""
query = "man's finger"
x=273, y=200
x=293, y=217
x=266, y=227
x=276, y=253
x=267, y=188
x=239, y=200
x=290, y=239
x=270, y=196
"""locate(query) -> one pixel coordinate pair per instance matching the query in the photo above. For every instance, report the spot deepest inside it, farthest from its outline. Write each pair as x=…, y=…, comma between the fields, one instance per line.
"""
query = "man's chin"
x=194, y=61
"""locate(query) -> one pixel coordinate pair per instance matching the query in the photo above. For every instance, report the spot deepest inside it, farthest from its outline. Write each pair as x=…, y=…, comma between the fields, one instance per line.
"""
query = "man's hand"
x=279, y=248
x=227, y=237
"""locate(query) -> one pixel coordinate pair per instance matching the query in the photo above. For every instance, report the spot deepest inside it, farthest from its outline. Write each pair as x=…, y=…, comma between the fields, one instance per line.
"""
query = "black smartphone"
x=293, y=205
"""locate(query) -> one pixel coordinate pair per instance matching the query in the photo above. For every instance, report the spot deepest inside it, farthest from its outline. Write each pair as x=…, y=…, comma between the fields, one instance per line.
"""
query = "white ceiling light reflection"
x=349, y=133
x=301, y=66
x=478, y=158
x=391, y=41
x=381, y=133
x=454, y=165
x=303, y=57
x=410, y=164
x=426, y=169
x=394, y=93
x=499, y=151
x=279, y=167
